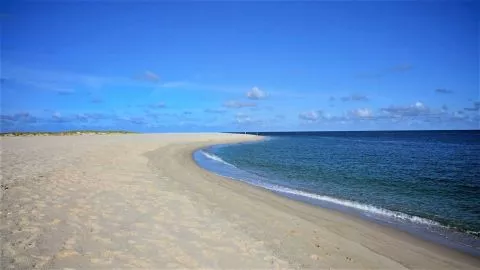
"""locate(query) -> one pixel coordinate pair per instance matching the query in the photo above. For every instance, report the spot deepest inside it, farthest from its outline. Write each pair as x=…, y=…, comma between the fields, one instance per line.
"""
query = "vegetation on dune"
x=67, y=133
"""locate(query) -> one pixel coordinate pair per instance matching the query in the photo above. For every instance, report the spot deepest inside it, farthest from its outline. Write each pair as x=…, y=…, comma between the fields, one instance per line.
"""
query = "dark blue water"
x=425, y=182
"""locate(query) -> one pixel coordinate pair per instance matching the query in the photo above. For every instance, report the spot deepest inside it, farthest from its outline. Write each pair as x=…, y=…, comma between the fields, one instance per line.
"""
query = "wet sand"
x=140, y=201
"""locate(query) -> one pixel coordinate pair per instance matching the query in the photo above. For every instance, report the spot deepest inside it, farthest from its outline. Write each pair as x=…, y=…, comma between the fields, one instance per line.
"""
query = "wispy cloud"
x=238, y=104
x=159, y=105
x=92, y=117
x=59, y=118
x=215, y=110
x=245, y=119
x=355, y=97
x=157, y=115
x=474, y=108
x=23, y=117
x=443, y=91
x=417, y=109
x=151, y=76
x=147, y=76
x=176, y=84
x=65, y=82
x=61, y=81
x=138, y=120
x=311, y=116
x=197, y=86
x=64, y=91
x=54, y=87
x=401, y=68
x=96, y=100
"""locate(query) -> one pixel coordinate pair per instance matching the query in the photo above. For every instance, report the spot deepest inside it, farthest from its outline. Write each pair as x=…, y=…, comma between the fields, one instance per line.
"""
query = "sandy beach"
x=140, y=201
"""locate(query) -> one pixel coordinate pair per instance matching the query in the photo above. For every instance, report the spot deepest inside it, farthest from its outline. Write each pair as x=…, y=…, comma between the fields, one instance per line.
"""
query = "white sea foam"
x=346, y=203
x=215, y=157
x=359, y=206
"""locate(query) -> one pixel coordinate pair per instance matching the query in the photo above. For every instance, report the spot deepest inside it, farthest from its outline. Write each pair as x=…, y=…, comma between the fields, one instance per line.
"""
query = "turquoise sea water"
x=424, y=182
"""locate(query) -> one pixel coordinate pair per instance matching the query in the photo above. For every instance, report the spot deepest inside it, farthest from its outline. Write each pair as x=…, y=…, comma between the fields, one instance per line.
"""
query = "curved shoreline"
x=417, y=226
x=367, y=228
x=141, y=201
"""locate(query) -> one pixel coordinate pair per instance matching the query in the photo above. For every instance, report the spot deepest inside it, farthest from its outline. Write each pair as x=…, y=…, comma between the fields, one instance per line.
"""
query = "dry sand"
x=140, y=201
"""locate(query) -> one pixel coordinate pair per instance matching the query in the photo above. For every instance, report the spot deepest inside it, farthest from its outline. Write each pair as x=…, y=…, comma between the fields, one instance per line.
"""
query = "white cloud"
x=256, y=93
x=419, y=105
x=57, y=115
x=311, y=115
x=417, y=109
x=362, y=113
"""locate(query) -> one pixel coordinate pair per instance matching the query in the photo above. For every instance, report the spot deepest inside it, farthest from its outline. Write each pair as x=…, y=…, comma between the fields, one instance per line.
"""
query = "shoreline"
x=440, y=235
x=418, y=250
x=398, y=234
x=142, y=201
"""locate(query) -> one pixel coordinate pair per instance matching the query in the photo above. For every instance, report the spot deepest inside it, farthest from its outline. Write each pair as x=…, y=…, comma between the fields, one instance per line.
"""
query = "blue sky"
x=240, y=66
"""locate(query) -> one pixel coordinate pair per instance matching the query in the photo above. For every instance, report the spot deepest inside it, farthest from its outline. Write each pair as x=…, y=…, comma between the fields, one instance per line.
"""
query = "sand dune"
x=140, y=201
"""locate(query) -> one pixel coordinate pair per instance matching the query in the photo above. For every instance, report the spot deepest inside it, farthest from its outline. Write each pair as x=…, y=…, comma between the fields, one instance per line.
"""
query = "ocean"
x=424, y=182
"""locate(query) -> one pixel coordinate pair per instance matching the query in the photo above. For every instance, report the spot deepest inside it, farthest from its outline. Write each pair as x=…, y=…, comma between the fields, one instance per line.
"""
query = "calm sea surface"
x=424, y=182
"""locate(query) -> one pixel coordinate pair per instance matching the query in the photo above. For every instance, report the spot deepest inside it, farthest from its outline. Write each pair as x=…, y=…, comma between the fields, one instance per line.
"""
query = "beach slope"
x=140, y=201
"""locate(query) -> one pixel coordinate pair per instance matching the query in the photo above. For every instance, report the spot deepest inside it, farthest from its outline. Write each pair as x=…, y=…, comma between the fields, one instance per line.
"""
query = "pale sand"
x=140, y=201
